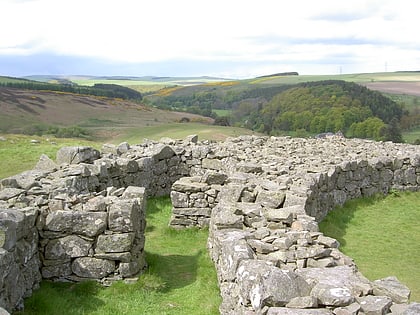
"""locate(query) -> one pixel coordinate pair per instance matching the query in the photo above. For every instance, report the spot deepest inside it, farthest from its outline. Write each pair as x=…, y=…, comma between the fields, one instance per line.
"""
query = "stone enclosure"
x=83, y=217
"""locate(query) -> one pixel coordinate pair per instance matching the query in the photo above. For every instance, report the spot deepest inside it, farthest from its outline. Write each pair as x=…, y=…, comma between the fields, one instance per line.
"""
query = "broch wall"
x=83, y=217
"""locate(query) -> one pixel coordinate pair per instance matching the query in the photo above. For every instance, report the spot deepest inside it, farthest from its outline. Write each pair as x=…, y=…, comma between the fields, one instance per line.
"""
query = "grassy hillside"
x=104, y=118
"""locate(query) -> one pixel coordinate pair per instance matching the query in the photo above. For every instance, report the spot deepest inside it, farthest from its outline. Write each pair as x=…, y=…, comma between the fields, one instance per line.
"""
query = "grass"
x=352, y=77
x=180, y=131
x=180, y=279
x=382, y=235
x=18, y=154
x=222, y=112
x=411, y=136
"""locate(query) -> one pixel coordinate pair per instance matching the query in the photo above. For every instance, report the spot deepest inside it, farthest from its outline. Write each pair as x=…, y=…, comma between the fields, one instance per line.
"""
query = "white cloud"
x=286, y=33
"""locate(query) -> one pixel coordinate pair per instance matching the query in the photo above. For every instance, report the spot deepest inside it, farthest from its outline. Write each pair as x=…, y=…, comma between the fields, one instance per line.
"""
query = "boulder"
x=289, y=311
x=262, y=284
x=339, y=283
x=392, y=288
x=271, y=199
x=374, y=305
x=94, y=268
x=46, y=164
x=76, y=155
x=71, y=246
x=124, y=215
x=114, y=243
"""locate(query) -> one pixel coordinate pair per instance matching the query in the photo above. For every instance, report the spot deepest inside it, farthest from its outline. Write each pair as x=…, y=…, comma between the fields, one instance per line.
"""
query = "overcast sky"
x=226, y=38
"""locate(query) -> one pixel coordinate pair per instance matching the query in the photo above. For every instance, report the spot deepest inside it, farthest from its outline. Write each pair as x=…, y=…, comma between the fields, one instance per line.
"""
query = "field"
x=356, y=77
x=381, y=235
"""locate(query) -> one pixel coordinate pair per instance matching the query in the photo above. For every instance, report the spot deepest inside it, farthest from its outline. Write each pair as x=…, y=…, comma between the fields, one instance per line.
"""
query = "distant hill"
x=32, y=112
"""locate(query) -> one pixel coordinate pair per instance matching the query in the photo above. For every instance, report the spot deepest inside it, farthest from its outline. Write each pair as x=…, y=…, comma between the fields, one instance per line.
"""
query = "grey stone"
x=262, y=284
x=212, y=164
x=331, y=295
x=412, y=309
x=374, y=305
x=75, y=155
x=343, y=277
x=303, y=302
x=131, y=268
x=188, y=184
x=89, y=223
x=9, y=193
x=214, y=178
x=94, y=268
x=224, y=217
x=271, y=199
x=114, y=243
x=328, y=241
x=278, y=215
x=352, y=309
x=179, y=199
x=57, y=270
x=288, y=311
x=46, y=164
x=391, y=287
x=162, y=152
x=67, y=247
x=124, y=216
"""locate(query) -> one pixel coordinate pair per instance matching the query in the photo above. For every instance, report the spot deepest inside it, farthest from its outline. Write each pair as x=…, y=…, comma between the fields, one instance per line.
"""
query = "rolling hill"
x=104, y=117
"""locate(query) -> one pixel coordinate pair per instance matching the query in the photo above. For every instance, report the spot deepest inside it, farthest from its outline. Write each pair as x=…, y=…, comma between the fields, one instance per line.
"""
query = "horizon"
x=227, y=39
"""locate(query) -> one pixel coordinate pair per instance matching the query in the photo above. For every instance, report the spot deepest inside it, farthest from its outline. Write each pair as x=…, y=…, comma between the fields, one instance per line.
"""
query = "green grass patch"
x=222, y=112
x=180, y=131
x=382, y=235
x=18, y=153
x=181, y=278
x=411, y=136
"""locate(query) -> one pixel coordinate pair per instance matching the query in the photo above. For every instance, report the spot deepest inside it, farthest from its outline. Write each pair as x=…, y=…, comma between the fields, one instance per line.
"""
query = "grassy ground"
x=180, y=131
x=382, y=235
x=180, y=279
x=18, y=153
x=411, y=136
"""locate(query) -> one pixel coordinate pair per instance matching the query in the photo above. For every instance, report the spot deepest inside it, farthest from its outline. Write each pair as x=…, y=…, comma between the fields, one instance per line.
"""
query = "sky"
x=222, y=38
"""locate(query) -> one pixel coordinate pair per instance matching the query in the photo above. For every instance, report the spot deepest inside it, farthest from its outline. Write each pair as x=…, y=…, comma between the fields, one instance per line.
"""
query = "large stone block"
x=67, y=247
x=262, y=284
x=125, y=215
x=93, y=268
x=114, y=243
x=75, y=155
x=89, y=223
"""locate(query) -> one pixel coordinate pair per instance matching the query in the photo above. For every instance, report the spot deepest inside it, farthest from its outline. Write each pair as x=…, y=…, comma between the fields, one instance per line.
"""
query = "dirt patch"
x=409, y=88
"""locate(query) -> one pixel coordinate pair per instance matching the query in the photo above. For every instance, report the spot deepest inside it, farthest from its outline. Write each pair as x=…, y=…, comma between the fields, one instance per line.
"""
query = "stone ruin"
x=83, y=217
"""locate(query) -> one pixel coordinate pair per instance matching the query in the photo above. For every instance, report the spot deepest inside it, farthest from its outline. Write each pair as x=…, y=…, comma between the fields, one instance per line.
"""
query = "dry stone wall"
x=266, y=196
x=83, y=216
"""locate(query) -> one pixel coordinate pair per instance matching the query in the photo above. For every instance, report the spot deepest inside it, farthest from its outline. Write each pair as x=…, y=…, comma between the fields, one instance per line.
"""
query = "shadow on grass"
x=337, y=221
x=63, y=298
x=176, y=271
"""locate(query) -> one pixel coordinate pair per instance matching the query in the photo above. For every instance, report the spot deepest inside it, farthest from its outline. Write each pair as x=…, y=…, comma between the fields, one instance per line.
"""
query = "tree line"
x=104, y=90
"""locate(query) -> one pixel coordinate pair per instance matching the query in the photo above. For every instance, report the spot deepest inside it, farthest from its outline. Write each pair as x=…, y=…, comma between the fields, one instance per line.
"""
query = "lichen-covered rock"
x=114, y=243
x=262, y=284
x=374, y=305
x=124, y=216
x=93, y=268
x=67, y=247
x=75, y=155
x=391, y=287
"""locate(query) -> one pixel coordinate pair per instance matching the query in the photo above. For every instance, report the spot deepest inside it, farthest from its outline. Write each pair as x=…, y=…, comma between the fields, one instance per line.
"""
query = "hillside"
x=330, y=106
x=26, y=110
